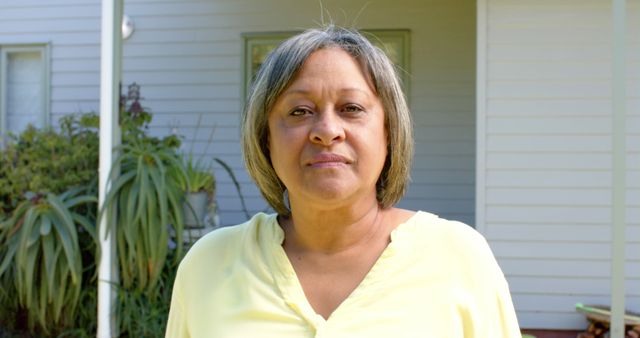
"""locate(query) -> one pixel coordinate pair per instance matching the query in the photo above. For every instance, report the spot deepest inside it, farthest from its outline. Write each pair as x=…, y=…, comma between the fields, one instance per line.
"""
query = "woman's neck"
x=335, y=230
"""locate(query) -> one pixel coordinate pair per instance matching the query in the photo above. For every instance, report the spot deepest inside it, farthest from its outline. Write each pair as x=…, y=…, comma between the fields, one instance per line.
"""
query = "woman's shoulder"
x=453, y=248
x=428, y=230
x=227, y=242
x=433, y=226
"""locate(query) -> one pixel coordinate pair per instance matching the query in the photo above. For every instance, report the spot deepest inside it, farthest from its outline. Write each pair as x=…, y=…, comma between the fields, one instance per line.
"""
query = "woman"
x=327, y=138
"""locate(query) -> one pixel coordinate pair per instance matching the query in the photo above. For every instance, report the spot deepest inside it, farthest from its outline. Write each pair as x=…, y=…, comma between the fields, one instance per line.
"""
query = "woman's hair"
x=276, y=74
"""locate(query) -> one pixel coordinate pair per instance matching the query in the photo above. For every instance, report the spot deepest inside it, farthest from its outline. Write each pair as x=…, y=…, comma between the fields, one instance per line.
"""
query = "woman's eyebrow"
x=296, y=91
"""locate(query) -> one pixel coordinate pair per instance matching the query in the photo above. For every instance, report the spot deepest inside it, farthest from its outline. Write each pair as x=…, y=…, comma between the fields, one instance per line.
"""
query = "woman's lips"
x=327, y=160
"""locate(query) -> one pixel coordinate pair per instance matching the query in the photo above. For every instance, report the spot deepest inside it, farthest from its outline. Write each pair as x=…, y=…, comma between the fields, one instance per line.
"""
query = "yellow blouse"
x=436, y=278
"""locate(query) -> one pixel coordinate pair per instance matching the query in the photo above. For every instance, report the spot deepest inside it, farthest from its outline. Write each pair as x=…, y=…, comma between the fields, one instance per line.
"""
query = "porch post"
x=619, y=169
x=110, y=74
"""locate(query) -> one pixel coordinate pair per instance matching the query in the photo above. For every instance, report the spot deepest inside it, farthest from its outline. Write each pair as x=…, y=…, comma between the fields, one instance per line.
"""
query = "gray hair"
x=276, y=74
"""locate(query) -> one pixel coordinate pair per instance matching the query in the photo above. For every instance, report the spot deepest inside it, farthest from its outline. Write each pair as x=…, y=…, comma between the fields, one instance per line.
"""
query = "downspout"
x=481, y=115
x=110, y=74
x=618, y=99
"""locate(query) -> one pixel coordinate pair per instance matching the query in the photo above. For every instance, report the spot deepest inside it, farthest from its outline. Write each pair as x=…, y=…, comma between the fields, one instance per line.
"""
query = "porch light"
x=127, y=27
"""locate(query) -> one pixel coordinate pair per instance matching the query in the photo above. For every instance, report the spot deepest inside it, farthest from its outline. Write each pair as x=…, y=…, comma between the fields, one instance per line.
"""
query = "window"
x=24, y=88
x=395, y=42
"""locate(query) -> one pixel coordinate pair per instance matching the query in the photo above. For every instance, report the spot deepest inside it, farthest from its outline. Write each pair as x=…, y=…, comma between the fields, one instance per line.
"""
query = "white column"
x=619, y=169
x=110, y=74
x=481, y=113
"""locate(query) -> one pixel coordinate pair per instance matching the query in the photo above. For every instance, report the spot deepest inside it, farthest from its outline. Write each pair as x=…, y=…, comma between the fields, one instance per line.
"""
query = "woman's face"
x=327, y=138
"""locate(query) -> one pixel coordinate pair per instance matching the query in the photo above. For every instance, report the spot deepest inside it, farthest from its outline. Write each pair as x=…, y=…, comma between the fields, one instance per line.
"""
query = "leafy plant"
x=38, y=243
x=142, y=314
x=146, y=197
x=198, y=177
x=85, y=322
x=9, y=316
x=46, y=160
x=40, y=249
x=37, y=169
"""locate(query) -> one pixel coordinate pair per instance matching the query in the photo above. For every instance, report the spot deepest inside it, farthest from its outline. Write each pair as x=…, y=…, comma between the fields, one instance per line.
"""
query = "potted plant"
x=199, y=188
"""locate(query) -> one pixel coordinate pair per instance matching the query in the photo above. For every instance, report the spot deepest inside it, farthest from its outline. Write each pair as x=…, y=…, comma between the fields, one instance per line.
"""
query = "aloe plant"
x=199, y=176
x=40, y=253
x=147, y=198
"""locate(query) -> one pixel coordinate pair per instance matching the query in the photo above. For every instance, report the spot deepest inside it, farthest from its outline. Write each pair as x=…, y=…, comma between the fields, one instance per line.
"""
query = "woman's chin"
x=327, y=193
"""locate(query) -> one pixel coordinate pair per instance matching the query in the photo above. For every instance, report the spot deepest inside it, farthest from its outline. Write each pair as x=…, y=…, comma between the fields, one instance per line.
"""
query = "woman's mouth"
x=324, y=160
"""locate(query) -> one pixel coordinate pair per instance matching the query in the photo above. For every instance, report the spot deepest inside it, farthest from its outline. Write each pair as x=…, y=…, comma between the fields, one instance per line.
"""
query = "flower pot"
x=195, y=208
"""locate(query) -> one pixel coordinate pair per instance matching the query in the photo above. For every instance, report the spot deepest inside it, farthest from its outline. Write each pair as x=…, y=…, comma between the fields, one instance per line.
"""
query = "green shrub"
x=143, y=314
x=41, y=251
x=44, y=161
x=47, y=229
x=47, y=244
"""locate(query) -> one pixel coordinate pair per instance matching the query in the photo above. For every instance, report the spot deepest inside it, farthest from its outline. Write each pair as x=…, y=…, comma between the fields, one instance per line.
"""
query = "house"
x=511, y=101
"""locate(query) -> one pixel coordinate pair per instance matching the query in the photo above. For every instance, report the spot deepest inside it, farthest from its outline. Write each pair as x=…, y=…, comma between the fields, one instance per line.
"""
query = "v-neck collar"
x=271, y=240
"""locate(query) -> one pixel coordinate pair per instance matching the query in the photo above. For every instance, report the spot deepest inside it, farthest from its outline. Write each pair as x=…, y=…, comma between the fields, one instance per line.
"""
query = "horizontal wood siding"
x=548, y=155
x=187, y=56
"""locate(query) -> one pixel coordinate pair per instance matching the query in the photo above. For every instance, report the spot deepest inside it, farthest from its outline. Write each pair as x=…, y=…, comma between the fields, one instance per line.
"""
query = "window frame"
x=399, y=36
x=44, y=50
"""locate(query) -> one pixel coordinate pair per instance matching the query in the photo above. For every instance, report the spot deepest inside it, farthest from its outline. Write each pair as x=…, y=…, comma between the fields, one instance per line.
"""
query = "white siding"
x=544, y=199
x=187, y=56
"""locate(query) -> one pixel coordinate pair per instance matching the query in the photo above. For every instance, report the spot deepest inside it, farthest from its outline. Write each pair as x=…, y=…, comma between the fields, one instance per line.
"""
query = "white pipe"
x=481, y=115
x=619, y=169
x=110, y=74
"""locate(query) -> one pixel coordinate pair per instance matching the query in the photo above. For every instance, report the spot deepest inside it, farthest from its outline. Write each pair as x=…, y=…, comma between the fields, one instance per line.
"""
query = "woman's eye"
x=352, y=108
x=299, y=112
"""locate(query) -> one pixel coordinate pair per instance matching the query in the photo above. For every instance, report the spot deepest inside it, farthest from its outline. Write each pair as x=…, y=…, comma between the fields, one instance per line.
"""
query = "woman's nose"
x=327, y=128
